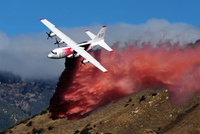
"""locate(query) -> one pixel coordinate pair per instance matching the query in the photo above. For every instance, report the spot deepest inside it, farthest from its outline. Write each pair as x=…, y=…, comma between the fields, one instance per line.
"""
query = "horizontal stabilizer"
x=90, y=34
x=105, y=46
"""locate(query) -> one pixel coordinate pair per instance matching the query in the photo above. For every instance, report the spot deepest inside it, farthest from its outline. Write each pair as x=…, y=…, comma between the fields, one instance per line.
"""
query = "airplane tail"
x=101, y=34
x=105, y=46
x=99, y=39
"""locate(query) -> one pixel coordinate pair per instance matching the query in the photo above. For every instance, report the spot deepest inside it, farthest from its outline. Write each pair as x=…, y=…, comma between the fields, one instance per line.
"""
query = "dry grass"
x=148, y=111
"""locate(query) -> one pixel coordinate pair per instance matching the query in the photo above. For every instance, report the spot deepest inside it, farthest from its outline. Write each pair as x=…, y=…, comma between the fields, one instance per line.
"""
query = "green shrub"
x=142, y=98
x=29, y=124
x=37, y=131
x=86, y=130
x=50, y=127
x=76, y=132
x=43, y=112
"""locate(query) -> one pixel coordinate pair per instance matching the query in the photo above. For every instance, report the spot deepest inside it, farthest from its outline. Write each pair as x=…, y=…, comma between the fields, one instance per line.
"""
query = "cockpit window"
x=54, y=52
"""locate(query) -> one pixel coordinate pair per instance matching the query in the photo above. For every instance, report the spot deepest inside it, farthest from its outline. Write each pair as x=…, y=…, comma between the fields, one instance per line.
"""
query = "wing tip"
x=106, y=72
x=86, y=30
x=112, y=51
x=42, y=19
x=104, y=26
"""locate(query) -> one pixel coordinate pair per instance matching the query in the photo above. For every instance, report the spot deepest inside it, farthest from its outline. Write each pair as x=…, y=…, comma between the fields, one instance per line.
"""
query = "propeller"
x=82, y=63
x=49, y=35
x=74, y=54
x=57, y=42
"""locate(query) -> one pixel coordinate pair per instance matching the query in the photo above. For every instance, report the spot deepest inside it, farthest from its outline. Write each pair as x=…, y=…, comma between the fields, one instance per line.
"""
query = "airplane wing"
x=73, y=45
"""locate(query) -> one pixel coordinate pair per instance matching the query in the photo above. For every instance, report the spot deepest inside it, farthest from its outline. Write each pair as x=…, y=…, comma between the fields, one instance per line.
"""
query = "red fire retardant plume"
x=82, y=89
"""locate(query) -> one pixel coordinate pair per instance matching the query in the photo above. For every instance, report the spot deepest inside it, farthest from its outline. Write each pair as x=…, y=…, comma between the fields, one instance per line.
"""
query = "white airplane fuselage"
x=68, y=52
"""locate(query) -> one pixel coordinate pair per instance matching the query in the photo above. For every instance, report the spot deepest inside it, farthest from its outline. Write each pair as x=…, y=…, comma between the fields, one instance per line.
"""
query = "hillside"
x=147, y=112
x=21, y=98
x=10, y=115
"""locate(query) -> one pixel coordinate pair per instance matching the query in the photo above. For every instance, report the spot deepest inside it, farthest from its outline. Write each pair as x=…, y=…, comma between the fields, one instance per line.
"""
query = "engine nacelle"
x=52, y=34
x=85, y=61
x=60, y=42
x=75, y=55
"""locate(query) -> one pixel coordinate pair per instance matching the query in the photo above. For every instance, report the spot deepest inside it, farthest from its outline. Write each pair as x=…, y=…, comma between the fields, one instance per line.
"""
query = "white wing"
x=73, y=45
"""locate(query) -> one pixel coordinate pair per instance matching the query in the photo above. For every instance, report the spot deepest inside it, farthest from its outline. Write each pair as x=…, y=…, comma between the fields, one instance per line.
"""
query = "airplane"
x=73, y=49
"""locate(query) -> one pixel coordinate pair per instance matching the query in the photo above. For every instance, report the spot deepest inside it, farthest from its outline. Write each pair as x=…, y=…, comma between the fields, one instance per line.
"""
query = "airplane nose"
x=49, y=56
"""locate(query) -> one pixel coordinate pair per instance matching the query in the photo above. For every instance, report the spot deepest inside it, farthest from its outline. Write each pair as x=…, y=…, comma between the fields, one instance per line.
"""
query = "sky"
x=24, y=47
x=22, y=16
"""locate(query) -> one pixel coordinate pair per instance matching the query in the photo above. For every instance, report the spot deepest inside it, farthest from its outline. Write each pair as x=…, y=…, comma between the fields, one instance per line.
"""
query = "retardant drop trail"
x=58, y=106
x=82, y=89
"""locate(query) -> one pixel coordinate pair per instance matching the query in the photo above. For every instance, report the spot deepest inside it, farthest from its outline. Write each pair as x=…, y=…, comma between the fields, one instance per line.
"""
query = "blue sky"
x=22, y=16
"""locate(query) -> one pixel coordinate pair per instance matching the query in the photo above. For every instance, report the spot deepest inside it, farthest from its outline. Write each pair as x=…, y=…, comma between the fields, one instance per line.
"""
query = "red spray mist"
x=82, y=89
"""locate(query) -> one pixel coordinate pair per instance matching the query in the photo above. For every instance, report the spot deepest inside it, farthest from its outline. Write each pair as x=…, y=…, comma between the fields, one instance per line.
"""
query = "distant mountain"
x=10, y=115
x=9, y=78
x=147, y=112
x=28, y=96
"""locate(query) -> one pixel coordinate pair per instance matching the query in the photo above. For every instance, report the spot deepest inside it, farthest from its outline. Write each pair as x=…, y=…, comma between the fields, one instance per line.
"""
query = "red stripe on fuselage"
x=89, y=46
x=67, y=51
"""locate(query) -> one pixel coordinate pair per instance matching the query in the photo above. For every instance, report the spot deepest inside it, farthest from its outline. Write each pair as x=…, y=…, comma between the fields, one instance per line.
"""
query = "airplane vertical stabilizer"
x=101, y=34
x=100, y=39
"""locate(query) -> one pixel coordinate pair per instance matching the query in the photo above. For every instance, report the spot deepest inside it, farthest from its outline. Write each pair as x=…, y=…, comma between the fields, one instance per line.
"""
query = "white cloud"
x=155, y=31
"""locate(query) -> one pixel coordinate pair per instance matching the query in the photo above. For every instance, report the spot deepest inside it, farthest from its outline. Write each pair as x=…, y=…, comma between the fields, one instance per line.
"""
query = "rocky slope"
x=21, y=98
x=10, y=115
x=147, y=112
